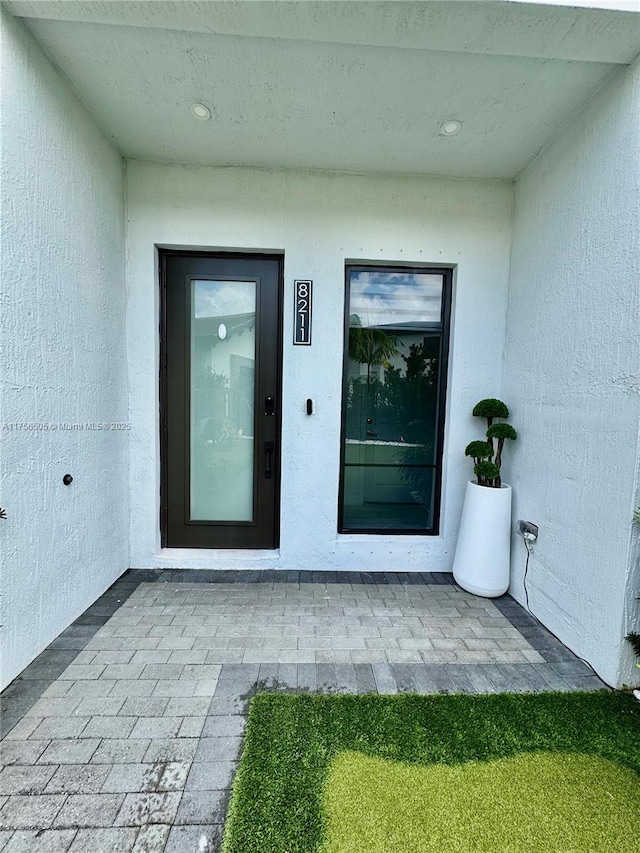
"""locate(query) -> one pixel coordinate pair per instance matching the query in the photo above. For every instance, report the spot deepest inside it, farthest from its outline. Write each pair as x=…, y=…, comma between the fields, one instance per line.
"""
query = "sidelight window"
x=395, y=367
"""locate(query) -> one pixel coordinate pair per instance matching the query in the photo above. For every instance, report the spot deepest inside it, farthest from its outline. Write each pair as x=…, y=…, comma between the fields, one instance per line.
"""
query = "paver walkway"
x=124, y=734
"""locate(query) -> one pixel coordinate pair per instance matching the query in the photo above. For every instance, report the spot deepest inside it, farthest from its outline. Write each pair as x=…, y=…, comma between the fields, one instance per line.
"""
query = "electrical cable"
x=531, y=613
x=524, y=579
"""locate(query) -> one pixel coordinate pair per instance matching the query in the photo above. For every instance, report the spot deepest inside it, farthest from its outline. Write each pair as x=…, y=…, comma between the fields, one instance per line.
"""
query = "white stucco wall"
x=571, y=376
x=63, y=355
x=319, y=220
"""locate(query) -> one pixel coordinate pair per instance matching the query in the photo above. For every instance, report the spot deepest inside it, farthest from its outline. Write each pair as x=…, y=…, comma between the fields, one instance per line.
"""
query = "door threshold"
x=196, y=557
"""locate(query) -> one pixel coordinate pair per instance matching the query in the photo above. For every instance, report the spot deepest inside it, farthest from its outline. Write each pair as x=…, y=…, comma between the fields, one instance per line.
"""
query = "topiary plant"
x=487, y=457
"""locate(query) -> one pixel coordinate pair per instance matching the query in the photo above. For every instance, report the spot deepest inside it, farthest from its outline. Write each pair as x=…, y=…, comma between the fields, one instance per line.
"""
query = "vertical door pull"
x=268, y=454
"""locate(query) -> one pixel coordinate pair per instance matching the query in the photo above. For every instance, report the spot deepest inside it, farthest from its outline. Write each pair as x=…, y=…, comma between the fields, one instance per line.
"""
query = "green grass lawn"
x=412, y=774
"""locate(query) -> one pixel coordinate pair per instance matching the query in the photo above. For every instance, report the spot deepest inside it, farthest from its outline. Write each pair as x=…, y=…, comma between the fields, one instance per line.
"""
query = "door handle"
x=269, y=406
x=268, y=454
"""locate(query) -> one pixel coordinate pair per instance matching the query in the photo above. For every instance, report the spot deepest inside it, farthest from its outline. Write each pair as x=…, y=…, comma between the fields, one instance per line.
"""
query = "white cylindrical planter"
x=483, y=553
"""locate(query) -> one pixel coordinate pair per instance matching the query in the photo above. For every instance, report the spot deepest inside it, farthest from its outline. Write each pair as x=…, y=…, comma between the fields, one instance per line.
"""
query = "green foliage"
x=634, y=639
x=490, y=408
x=503, y=431
x=372, y=347
x=486, y=472
x=479, y=450
x=487, y=465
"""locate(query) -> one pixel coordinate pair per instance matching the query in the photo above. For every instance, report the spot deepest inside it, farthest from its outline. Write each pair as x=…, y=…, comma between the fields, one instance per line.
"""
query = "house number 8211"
x=302, y=315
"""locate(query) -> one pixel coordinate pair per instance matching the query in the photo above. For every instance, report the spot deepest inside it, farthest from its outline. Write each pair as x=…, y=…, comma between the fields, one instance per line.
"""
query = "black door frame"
x=163, y=255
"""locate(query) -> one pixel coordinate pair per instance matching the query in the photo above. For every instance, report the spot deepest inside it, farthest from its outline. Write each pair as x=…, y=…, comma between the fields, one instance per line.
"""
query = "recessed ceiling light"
x=201, y=111
x=450, y=127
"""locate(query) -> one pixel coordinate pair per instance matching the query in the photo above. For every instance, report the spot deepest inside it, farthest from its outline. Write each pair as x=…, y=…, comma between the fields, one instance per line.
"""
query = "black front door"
x=220, y=400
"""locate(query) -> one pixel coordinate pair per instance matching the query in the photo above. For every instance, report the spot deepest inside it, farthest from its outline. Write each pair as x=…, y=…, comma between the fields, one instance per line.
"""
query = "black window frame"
x=445, y=334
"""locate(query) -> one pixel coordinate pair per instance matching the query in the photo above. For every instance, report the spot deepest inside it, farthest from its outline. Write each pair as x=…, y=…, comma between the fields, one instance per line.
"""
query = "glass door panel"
x=222, y=400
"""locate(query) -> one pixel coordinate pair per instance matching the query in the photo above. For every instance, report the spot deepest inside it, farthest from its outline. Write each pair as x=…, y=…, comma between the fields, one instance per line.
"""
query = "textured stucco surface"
x=63, y=355
x=571, y=376
x=318, y=220
x=345, y=107
x=350, y=86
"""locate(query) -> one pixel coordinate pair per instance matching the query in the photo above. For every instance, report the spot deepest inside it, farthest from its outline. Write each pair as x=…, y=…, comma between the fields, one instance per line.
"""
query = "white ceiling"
x=356, y=86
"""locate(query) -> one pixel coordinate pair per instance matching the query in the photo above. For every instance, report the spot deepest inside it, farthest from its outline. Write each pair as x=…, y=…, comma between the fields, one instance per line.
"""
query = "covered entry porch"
x=327, y=143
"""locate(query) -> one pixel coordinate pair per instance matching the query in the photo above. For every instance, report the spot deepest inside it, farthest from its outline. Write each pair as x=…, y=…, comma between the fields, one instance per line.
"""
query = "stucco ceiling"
x=356, y=86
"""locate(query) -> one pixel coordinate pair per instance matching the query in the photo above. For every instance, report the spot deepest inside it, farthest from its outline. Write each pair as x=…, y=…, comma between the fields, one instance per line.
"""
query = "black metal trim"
x=163, y=401
x=443, y=375
x=444, y=334
x=389, y=531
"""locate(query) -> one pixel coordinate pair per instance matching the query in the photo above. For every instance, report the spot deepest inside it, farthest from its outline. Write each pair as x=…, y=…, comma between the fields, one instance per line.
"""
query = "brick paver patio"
x=124, y=735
